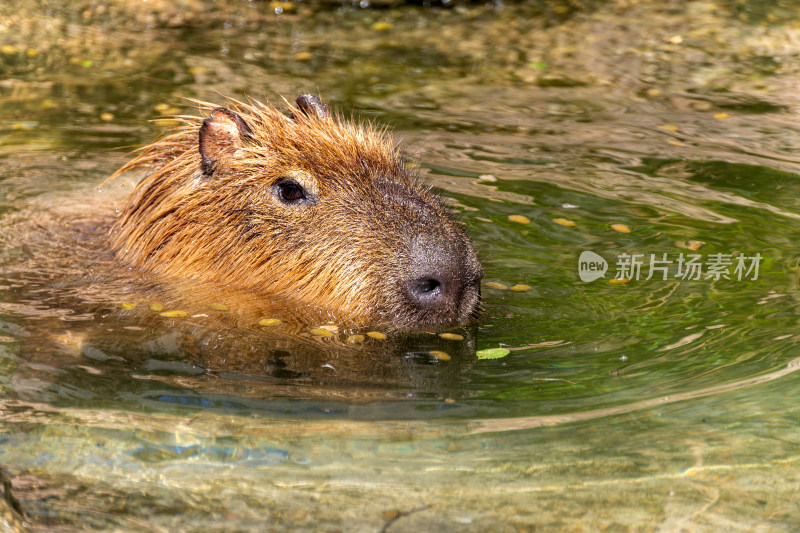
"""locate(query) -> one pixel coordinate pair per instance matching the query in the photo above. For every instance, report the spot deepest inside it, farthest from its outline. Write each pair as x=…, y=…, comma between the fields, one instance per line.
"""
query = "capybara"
x=306, y=206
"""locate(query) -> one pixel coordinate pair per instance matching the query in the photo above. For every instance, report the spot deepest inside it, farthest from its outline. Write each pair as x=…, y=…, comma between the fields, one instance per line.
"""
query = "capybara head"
x=309, y=207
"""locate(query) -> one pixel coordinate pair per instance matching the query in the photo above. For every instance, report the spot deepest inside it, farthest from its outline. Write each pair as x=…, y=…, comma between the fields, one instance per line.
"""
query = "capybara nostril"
x=426, y=292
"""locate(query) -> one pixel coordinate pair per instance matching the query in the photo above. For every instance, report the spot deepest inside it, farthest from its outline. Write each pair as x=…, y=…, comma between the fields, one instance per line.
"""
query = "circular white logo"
x=591, y=266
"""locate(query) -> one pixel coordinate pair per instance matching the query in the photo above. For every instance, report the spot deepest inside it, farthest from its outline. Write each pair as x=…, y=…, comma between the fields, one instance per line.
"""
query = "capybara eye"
x=290, y=192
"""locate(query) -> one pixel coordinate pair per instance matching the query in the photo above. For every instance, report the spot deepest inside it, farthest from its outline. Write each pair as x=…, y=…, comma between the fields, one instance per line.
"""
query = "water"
x=652, y=405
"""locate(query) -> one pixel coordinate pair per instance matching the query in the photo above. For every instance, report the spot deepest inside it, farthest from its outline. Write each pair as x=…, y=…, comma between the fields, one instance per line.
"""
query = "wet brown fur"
x=343, y=254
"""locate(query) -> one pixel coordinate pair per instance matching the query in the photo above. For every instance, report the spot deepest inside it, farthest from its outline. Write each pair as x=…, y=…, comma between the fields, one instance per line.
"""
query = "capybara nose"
x=442, y=281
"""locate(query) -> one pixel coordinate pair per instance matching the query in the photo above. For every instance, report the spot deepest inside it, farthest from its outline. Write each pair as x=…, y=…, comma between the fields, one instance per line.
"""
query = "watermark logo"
x=664, y=266
x=591, y=266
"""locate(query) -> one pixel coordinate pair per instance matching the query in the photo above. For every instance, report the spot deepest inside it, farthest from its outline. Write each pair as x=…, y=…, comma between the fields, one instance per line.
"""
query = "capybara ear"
x=221, y=133
x=311, y=106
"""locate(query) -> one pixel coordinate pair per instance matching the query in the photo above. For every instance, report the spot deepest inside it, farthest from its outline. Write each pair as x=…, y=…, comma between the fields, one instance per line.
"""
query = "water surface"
x=619, y=128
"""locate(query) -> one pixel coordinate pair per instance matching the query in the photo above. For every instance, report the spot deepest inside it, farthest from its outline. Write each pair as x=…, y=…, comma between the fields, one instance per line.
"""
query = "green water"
x=652, y=405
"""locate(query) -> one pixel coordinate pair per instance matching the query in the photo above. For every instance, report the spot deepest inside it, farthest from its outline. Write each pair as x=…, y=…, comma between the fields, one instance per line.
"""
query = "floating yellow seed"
x=356, y=339
x=694, y=245
x=108, y=117
x=303, y=56
x=376, y=335
x=194, y=71
x=619, y=281
x=382, y=26
x=622, y=228
x=269, y=322
x=564, y=222
x=129, y=306
x=519, y=287
x=496, y=285
x=320, y=332
x=519, y=219
x=669, y=127
x=440, y=355
x=166, y=109
x=173, y=314
x=675, y=39
x=451, y=336
x=157, y=307
x=218, y=307
x=721, y=116
x=32, y=52
x=8, y=49
x=281, y=7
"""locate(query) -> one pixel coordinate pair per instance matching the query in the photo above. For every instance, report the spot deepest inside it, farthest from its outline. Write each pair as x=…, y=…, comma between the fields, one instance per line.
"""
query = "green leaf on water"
x=492, y=353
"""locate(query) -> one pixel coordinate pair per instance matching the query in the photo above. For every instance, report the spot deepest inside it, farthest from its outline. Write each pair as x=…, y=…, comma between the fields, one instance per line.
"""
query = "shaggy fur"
x=368, y=225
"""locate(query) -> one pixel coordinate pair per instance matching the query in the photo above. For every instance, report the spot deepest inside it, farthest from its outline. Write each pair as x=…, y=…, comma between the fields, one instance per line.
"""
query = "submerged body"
x=305, y=207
